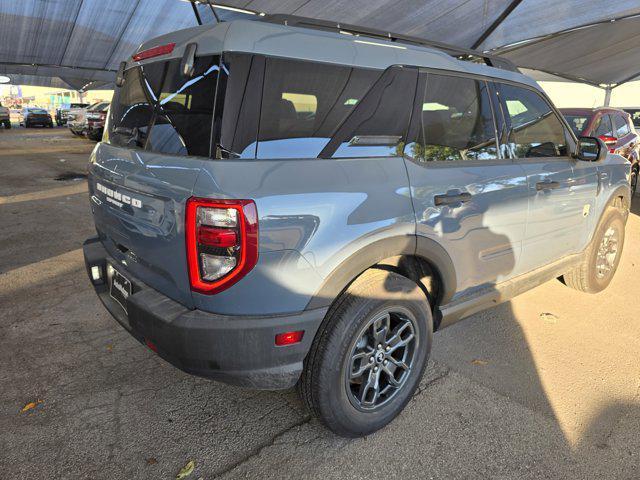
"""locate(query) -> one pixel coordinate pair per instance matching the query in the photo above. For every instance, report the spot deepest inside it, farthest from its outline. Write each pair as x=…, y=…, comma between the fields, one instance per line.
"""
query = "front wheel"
x=602, y=257
x=634, y=180
x=369, y=355
x=7, y=124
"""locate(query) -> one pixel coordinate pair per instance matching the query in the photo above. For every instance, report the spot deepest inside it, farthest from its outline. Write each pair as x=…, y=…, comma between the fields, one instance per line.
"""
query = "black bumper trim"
x=238, y=350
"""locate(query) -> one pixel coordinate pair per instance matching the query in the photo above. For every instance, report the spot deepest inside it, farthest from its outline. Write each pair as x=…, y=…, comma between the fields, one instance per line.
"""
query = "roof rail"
x=457, y=52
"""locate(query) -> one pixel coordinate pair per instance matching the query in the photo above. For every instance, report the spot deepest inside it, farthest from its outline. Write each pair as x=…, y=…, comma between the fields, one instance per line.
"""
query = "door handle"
x=547, y=185
x=449, y=199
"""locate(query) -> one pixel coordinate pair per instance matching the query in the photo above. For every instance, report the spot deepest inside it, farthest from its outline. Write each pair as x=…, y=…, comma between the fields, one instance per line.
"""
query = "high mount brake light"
x=222, y=242
x=154, y=52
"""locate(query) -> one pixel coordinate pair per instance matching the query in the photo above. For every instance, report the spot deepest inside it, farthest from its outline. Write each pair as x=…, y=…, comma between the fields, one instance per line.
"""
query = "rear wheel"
x=634, y=179
x=369, y=355
x=601, y=259
x=7, y=124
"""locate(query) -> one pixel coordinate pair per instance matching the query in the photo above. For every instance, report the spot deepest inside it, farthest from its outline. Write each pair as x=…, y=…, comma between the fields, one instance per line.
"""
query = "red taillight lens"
x=154, y=52
x=289, y=338
x=222, y=242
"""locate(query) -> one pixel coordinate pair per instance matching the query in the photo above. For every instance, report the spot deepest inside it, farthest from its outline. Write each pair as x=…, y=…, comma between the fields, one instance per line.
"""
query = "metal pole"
x=607, y=96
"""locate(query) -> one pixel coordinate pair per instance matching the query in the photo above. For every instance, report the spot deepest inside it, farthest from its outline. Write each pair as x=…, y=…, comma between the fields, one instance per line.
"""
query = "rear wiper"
x=222, y=152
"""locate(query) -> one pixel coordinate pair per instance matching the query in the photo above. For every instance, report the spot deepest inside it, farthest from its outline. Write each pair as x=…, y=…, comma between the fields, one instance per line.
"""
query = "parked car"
x=5, y=117
x=96, y=118
x=77, y=119
x=33, y=116
x=615, y=127
x=62, y=113
x=342, y=201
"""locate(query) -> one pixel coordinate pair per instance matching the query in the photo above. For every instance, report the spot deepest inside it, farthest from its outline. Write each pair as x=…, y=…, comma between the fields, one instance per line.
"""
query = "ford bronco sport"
x=289, y=202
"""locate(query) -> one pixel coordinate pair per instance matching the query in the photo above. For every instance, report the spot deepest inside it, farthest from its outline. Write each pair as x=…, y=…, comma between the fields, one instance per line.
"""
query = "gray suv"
x=289, y=202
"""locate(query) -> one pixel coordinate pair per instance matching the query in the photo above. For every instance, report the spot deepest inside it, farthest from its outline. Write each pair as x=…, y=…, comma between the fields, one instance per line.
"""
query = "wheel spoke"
x=370, y=387
x=397, y=341
x=360, y=364
x=380, y=328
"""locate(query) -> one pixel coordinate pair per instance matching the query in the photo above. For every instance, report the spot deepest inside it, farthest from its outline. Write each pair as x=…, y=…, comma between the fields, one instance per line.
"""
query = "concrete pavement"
x=547, y=385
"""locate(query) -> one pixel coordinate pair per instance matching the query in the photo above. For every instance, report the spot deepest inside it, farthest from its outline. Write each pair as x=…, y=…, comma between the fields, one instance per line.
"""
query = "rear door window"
x=303, y=103
x=534, y=128
x=455, y=120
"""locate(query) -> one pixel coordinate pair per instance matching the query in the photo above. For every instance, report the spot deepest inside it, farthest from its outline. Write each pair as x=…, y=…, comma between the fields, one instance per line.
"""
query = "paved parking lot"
x=547, y=385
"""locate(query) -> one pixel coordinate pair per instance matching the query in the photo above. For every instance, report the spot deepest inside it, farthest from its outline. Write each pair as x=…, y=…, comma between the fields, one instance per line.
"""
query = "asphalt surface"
x=545, y=386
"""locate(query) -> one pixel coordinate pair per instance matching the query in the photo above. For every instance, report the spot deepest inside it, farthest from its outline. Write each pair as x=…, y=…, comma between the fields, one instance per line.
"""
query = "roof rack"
x=457, y=52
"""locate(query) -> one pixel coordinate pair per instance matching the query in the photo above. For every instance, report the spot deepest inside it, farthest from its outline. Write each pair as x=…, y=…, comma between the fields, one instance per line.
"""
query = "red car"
x=614, y=126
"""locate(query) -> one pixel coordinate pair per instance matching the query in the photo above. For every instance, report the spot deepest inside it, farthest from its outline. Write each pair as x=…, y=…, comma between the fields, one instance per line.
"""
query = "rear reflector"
x=151, y=345
x=154, y=52
x=289, y=338
x=222, y=242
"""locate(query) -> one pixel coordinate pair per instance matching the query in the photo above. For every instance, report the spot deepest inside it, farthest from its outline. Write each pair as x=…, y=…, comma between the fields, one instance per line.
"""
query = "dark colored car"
x=615, y=127
x=96, y=118
x=32, y=116
x=63, y=113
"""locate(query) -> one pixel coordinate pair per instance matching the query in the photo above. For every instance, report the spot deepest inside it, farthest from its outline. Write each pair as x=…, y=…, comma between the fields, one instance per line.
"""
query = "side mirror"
x=120, y=74
x=591, y=149
x=188, y=60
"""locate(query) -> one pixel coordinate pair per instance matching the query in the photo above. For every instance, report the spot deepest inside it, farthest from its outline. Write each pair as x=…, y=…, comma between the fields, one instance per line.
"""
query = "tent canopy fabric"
x=84, y=40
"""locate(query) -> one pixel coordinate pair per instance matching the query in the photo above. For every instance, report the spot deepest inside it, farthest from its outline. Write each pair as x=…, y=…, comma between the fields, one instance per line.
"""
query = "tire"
x=634, y=180
x=600, y=262
x=7, y=125
x=346, y=406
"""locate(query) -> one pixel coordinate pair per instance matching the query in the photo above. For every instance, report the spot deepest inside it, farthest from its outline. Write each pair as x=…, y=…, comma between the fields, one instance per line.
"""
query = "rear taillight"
x=154, y=52
x=222, y=242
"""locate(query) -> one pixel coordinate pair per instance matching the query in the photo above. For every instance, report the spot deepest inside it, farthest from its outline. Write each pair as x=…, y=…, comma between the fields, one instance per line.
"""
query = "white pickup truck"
x=5, y=118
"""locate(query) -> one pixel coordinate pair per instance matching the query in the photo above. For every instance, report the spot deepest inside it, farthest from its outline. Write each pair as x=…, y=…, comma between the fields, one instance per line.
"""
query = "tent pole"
x=607, y=96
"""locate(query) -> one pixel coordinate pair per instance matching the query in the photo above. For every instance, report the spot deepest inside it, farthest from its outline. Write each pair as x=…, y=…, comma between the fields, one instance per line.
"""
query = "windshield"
x=578, y=123
x=38, y=111
x=161, y=110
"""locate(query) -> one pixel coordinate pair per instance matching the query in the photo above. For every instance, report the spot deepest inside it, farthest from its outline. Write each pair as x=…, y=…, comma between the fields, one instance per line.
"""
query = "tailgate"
x=138, y=202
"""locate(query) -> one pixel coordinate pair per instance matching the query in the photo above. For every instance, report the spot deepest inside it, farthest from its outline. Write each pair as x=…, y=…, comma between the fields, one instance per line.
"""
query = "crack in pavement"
x=259, y=449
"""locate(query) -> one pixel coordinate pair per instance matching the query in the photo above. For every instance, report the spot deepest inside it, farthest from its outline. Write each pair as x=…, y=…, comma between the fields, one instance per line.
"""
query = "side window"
x=621, y=126
x=379, y=123
x=455, y=120
x=303, y=103
x=602, y=128
x=534, y=130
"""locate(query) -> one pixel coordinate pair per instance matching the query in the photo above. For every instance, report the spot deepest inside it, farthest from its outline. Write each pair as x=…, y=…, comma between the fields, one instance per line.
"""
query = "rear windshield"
x=161, y=110
x=578, y=123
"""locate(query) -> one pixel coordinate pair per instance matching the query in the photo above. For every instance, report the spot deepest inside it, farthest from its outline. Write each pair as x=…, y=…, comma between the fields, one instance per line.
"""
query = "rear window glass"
x=303, y=103
x=161, y=110
x=578, y=123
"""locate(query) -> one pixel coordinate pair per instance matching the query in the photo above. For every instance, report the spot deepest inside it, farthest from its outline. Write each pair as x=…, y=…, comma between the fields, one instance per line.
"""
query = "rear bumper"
x=238, y=350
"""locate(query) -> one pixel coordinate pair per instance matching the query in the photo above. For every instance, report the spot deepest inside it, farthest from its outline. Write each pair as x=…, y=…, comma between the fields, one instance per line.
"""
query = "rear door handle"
x=547, y=185
x=450, y=199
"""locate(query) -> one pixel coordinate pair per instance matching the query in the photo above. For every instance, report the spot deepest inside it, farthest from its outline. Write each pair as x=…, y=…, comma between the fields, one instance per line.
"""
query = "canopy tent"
x=82, y=41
